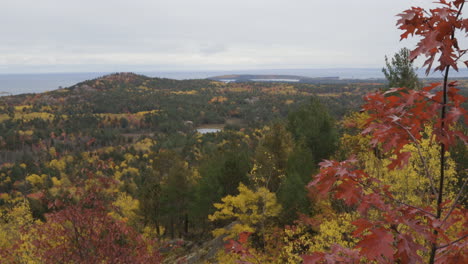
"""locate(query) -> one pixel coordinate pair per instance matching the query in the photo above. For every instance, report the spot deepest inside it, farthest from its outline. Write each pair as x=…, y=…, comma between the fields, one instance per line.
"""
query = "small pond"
x=208, y=130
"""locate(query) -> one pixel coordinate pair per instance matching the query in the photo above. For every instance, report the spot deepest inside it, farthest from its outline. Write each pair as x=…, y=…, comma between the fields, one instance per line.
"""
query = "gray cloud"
x=213, y=49
x=202, y=34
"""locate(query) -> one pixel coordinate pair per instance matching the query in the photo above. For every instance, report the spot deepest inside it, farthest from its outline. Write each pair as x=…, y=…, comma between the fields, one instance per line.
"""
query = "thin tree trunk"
x=442, y=151
x=158, y=229
x=172, y=228
x=186, y=225
x=442, y=167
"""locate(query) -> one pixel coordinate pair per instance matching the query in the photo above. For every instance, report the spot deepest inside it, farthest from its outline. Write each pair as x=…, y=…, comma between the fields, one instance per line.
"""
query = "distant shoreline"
x=20, y=83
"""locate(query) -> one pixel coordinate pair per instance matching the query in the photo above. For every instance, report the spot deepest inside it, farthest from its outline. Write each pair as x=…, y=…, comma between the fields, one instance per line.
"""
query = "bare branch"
x=423, y=160
x=412, y=206
x=453, y=242
x=454, y=204
x=395, y=200
x=442, y=147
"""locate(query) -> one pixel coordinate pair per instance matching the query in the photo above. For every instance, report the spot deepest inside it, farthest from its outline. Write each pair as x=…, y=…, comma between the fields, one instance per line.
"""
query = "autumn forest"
x=116, y=169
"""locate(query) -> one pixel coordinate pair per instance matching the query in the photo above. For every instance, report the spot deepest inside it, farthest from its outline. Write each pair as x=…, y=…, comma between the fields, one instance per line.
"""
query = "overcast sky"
x=168, y=35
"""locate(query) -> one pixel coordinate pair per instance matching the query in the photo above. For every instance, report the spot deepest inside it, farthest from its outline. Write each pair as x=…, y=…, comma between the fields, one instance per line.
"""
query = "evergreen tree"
x=312, y=126
x=293, y=193
x=220, y=174
x=400, y=71
x=271, y=157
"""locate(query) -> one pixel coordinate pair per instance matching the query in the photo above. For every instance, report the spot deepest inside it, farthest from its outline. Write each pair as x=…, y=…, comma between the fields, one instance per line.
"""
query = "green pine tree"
x=400, y=71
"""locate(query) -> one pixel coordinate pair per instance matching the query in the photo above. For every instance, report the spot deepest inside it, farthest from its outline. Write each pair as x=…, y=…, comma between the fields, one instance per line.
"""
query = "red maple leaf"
x=407, y=250
x=349, y=192
x=243, y=237
x=377, y=245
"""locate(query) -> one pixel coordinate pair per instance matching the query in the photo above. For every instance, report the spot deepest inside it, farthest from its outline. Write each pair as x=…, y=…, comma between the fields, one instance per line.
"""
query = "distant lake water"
x=208, y=130
x=275, y=80
x=37, y=83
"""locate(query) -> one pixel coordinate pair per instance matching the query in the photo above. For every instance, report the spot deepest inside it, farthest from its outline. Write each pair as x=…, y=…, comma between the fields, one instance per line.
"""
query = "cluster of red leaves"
x=392, y=236
x=398, y=117
x=239, y=246
x=84, y=232
x=337, y=254
x=436, y=29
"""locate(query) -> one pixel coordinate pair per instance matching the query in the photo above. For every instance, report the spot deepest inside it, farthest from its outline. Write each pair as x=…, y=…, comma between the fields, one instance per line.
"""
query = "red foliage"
x=84, y=232
x=397, y=118
x=435, y=27
x=239, y=246
x=337, y=254
x=380, y=240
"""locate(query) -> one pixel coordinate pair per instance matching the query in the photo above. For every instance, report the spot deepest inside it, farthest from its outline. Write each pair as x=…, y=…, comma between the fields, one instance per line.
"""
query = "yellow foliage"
x=46, y=108
x=336, y=230
x=136, y=117
x=52, y=152
x=108, y=150
x=218, y=99
x=131, y=170
x=191, y=92
x=143, y=88
x=30, y=116
x=4, y=196
x=20, y=108
x=129, y=157
x=150, y=232
x=227, y=258
x=142, y=113
x=27, y=133
x=328, y=94
x=411, y=184
x=250, y=208
x=233, y=231
x=56, y=182
x=59, y=165
x=36, y=180
x=4, y=117
x=144, y=145
x=60, y=184
x=296, y=240
x=68, y=158
x=127, y=208
x=125, y=171
x=14, y=224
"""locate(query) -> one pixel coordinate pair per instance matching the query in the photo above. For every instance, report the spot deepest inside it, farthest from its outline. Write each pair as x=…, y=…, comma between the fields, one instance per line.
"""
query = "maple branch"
x=423, y=160
x=393, y=199
x=442, y=165
x=412, y=206
x=442, y=147
x=458, y=14
x=456, y=201
x=461, y=54
x=453, y=242
x=76, y=238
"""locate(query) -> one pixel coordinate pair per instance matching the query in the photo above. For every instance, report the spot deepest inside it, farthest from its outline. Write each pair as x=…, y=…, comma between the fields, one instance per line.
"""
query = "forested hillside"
x=132, y=142
x=117, y=169
x=129, y=143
